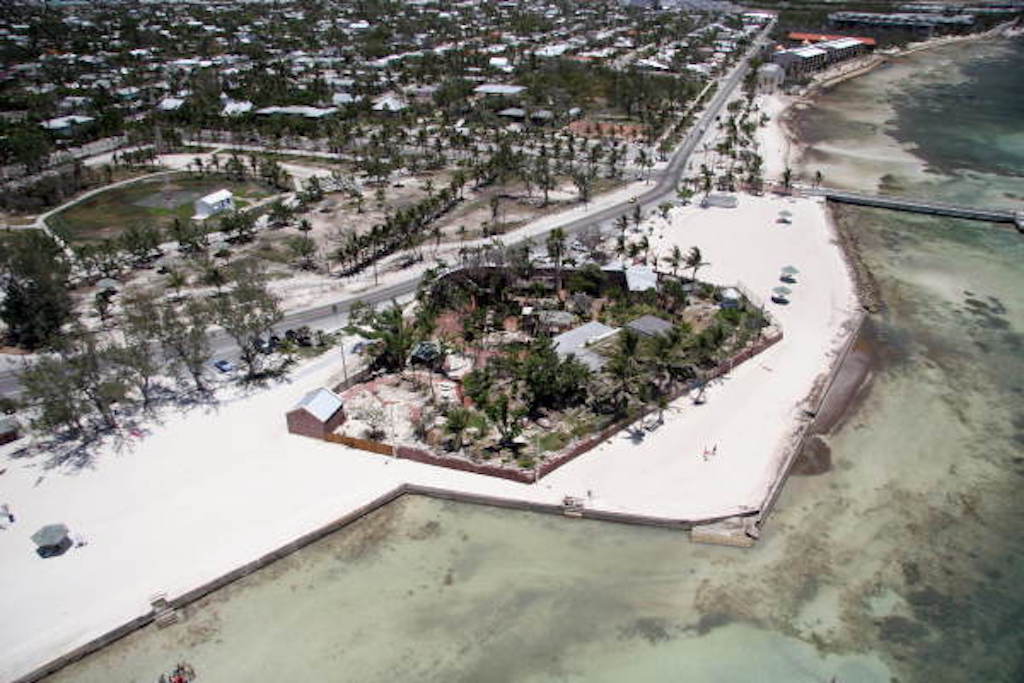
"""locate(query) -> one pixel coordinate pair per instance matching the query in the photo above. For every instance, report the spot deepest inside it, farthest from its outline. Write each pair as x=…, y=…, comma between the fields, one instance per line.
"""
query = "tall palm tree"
x=707, y=177
x=695, y=261
x=674, y=260
x=623, y=369
x=666, y=358
x=622, y=223
x=556, y=250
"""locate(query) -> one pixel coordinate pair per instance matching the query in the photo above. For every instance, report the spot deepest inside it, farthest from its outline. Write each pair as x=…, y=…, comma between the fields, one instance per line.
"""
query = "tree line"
x=93, y=377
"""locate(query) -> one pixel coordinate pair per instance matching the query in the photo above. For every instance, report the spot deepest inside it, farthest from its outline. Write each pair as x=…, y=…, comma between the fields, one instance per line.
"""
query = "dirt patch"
x=815, y=457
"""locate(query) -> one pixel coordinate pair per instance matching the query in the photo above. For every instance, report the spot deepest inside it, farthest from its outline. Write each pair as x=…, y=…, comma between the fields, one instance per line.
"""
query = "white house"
x=66, y=124
x=213, y=203
x=236, y=108
x=389, y=103
x=770, y=77
x=170, y=104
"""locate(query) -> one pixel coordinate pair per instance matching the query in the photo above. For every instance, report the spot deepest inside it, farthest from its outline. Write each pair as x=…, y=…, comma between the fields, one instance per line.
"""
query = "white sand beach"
x=209, y=490
x=777, y=147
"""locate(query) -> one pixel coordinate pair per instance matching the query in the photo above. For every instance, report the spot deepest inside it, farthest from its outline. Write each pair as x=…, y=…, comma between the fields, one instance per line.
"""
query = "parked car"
x=224, y=365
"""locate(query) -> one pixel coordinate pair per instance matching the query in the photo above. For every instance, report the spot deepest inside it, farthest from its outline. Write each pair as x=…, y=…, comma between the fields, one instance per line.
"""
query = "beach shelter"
x=786, y=213
x=780, y=295
x=51, y=540
x=789, y=274
x=108, y=284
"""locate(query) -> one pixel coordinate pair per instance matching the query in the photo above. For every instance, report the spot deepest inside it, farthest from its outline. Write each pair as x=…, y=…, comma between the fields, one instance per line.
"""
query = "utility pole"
x=344, y=364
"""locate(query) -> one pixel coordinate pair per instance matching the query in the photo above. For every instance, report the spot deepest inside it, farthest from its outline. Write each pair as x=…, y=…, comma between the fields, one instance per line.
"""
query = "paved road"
x=663, y=188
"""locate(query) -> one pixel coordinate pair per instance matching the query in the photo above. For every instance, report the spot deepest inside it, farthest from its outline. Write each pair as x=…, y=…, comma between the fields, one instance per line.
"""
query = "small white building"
x=170, y=104
x=66, y=124
x=389, y=104
x=213, y=203
x=236, y=108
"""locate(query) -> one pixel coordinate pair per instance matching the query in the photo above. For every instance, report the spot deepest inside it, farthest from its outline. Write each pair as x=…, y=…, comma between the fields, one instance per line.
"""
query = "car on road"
x=224, y=365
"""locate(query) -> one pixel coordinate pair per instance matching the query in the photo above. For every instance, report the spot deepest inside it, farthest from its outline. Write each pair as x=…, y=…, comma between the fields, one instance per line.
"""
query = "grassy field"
x=154, y=202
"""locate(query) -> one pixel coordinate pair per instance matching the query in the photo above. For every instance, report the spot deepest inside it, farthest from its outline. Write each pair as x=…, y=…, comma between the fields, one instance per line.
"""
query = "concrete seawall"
x=200, y=591
x=805, y=429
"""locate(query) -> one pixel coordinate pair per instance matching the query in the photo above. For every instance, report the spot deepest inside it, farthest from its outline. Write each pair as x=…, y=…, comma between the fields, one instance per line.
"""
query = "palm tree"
x=694, y=261
x=624, y=368
x=708, y=178
x=787, y=178
x=456, y=425
x=675, y=260
x=665, y=358
x=622, y=223
x=176, y=280
x=621, y=248
x=556, y=250
x=395, y=338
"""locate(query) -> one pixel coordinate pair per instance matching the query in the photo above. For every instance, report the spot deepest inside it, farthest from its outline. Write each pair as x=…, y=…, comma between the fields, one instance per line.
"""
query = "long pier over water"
x=923, y=206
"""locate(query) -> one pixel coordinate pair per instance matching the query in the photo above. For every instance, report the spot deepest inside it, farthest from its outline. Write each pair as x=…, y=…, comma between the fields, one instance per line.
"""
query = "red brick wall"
x=301, y=422
x=334, y=422
x=361, y=444
x=464, y=465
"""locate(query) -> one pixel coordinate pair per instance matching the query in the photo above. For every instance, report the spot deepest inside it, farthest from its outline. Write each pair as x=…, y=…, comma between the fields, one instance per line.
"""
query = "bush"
x=552, y=441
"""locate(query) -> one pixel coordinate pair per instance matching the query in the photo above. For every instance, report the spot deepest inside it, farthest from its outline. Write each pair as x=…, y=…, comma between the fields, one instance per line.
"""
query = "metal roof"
x=498, y=89
x=217, y=197
x=574, y=342
x=321, y=403
x=649, y=325
x=808, y=52
x=641, y=278
x=298, y=110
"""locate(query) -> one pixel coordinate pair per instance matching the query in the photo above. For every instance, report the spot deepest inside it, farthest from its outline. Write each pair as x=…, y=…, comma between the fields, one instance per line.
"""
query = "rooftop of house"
x=498, y=89
x=574, y=343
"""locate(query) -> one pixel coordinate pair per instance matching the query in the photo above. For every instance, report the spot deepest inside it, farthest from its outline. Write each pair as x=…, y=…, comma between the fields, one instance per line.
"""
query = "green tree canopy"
x=37, y=302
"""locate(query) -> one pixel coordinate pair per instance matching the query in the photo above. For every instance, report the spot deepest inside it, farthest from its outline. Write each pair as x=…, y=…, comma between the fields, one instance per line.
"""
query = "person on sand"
x=5, y=510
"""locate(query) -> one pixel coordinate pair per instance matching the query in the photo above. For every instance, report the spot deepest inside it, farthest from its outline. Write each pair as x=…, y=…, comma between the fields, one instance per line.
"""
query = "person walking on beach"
x=5, y=510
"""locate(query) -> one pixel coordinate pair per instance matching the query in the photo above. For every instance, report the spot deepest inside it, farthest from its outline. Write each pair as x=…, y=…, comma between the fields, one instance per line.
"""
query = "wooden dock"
x=1015, y=218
